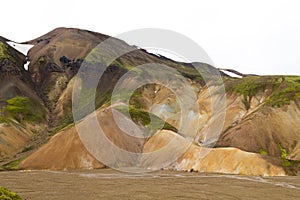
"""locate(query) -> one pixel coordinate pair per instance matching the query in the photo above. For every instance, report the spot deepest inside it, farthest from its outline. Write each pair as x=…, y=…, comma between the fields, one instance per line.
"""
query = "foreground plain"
x=111, y=184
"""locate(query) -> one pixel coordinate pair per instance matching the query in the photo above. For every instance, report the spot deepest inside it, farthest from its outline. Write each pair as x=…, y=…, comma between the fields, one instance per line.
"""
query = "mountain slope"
x=22, y=112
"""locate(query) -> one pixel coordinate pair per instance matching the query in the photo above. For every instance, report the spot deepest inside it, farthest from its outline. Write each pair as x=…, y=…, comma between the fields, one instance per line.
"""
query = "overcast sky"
x=255, y=36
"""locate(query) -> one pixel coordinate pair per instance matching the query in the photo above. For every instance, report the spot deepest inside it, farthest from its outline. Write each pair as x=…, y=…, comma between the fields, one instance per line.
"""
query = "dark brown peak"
x=60, y=49
x=56, y=57
x=52, y=34
x=60, y=31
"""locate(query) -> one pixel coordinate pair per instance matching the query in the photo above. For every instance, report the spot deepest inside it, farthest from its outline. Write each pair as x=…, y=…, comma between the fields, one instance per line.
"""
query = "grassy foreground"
x=5, y=194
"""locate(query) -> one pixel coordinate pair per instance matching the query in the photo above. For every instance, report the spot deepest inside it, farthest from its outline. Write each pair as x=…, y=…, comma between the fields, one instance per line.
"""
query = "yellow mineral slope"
x=216, y=160
x=66, y=151
x=63, y=151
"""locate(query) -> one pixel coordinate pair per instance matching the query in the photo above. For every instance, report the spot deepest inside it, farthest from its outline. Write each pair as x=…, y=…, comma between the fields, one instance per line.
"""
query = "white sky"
x=251, y=36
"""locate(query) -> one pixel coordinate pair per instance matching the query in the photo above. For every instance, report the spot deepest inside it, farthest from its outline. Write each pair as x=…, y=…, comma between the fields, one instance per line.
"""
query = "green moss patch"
x=152, y=122
x=283, y=152
x=281, y=89
x=286, y=162
x=288, y=91
x=6, y=194
x=11, y=166
x=3, y=120
x=23, y=109
x=250, y=86
x=263, y=152
x=3, y=51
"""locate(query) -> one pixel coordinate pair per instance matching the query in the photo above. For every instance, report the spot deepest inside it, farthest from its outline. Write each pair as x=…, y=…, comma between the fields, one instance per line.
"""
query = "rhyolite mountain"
x=260, y=136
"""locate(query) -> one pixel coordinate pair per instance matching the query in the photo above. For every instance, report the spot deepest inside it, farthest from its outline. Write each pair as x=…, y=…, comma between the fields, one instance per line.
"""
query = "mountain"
x=259, y=137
